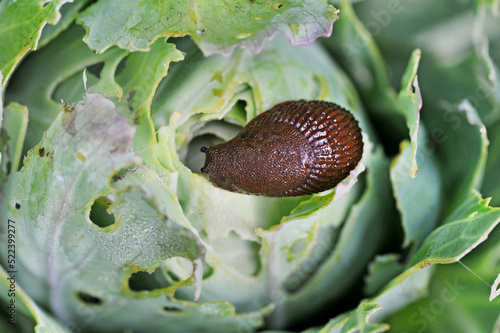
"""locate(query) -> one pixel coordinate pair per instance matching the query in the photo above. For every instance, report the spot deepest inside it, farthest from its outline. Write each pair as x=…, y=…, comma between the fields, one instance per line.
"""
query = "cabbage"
x=115, y=229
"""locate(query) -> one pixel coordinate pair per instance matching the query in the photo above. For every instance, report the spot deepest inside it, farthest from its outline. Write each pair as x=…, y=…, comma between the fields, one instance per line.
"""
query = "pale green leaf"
x=363, y=59
x=465, y=228
x=14, y=125
x=462, y=147
x=381, y=270
x=21, y=24
x=67, y=179
x=351, y=250
x=69, y=12
x=457, y=299
x=356, y=321
x=23, y=308
x=36, y=82
x=138, y=82
x=215, y=26
x=419, y=199
x=468, y=226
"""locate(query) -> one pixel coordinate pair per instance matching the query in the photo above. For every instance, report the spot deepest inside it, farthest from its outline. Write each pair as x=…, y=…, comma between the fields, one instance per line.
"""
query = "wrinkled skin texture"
x=296, y=148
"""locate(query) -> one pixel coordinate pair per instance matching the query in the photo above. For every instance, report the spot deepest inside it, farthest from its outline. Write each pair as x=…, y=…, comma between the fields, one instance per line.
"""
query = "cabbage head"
x=108, y=225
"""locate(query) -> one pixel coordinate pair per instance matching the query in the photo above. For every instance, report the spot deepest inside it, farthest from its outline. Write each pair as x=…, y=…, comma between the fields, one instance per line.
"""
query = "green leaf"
x=383, y=269
x=362, y=56
x=214, y=96
x=81, y=150
x=36, y=82
x=91, y=227
x=495, y=288
x=14, y=126
x=458, y=298
x=348, y=252
x=138, y=82
x=301, y=242
x=203, y=89
x=134, y=86
x=3, y=167
x=136, y=24
x=69, y=12
x=200, y=91
x=364, y=61
x=310, y=208
x=462, y=134
x=419, y=199
x=22, y=307
x=465, y=228
x=356, y=321
x=410, y=103
x=491, y=185
x=402, y=291
x=21, y=24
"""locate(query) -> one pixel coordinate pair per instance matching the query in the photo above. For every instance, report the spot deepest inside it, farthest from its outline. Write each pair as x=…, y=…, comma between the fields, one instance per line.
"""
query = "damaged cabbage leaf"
x=467, y=227
x=418, y=203
x=460, y=289
x=130, y=80
x=56, y=174
x=90, y=224
x=186, y=201
x=136, y=24
x=118, y=229
x=37, y=85
x=21, y=24
x=203, y=100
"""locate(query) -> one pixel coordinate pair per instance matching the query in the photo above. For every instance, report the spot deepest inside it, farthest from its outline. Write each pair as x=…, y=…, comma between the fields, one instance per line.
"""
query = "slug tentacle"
x=296, y=148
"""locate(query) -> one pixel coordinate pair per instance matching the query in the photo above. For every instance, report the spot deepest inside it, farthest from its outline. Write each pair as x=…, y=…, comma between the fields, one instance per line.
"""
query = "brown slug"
x=295, y=148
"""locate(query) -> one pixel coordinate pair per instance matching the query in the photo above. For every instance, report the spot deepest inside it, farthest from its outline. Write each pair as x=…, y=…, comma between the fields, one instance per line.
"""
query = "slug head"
x=268, y=159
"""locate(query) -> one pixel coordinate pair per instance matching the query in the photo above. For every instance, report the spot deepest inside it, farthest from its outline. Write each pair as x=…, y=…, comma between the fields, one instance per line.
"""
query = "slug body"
x=296, y=148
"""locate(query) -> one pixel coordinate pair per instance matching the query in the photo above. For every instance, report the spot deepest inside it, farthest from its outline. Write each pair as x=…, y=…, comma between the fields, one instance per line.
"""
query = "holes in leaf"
x=278, y=5
x=17, y=205
x=171, y=309
x=144, y=281
x=121, y=174
x=99, y=214
x=89, y=299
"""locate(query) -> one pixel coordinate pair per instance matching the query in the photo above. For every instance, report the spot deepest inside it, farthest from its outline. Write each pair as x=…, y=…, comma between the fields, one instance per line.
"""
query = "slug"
x=295, y=148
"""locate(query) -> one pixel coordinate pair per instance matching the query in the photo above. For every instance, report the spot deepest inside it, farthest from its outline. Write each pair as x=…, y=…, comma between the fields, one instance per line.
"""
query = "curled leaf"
x=216, y=26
